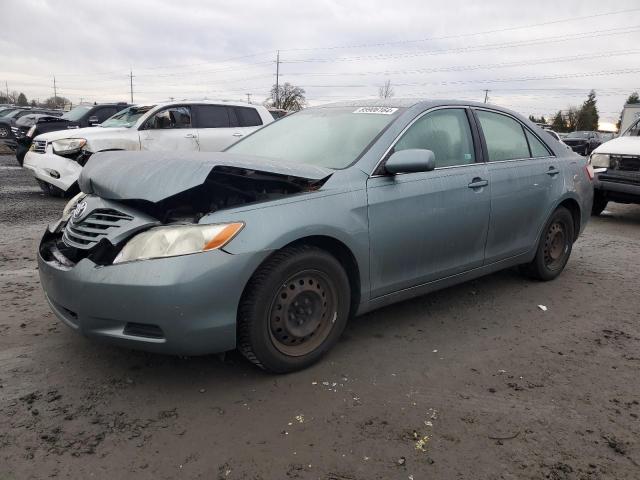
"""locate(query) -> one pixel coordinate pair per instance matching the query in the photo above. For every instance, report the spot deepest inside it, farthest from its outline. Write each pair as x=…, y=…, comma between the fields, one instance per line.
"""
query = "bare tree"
x=287, y=97
x=386, y=91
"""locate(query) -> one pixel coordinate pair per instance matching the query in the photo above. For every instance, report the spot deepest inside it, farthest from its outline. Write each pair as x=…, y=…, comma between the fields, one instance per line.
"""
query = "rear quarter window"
x=537, y=148
x=248, y=117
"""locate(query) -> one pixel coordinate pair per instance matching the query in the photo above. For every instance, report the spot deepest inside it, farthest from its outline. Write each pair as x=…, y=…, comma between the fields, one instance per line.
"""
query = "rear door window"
x=212, y=116
x=503, y=135
x=247, y=117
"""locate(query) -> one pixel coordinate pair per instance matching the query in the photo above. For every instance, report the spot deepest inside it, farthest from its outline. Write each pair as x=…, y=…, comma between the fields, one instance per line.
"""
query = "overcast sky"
x=536, y=57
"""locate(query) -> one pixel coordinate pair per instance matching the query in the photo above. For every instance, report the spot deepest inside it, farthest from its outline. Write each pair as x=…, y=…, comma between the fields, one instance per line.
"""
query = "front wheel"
x=554, y=246
x=294, y=309
x=4, y=132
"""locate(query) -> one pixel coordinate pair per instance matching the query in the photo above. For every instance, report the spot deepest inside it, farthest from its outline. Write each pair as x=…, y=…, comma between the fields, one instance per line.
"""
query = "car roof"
x=203, y=102
x=411, y=102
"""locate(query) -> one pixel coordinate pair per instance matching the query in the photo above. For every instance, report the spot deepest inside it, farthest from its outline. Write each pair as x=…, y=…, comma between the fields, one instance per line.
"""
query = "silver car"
x=271, y=246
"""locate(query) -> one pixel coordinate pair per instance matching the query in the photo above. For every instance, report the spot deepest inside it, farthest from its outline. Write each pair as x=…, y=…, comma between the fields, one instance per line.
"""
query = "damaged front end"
x=125, y=193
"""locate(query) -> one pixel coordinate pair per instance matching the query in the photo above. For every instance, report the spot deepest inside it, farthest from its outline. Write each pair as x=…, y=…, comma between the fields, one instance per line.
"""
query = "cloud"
x=220, y=49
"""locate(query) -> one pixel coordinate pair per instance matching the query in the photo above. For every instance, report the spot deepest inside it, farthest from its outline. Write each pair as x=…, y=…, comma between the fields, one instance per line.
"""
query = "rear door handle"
x=552, y=171
x=237, y=134
x=478, y=183
x=190, y=135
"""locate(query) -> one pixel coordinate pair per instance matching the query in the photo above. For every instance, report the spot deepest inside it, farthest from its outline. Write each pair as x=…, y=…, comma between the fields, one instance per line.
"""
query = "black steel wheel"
x=294, y=309
x=302, y=313
x=554, y=246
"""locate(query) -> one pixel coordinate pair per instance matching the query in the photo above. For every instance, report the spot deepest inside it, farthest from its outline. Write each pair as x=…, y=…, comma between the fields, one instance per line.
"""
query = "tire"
x=599, y=203
x=293, y=310
x=554, y=246
x=4, y=133
x=51, y=189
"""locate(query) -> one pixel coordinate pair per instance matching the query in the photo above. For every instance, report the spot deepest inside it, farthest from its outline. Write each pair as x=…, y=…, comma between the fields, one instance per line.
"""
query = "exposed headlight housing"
x=600, y=160
x=71, y=205
x=171, y=241
x=67, y=146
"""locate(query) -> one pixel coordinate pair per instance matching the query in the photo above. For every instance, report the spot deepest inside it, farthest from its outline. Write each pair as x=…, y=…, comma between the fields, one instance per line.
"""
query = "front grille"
x=86, y=233
x=626, y=162
x=620, y=176
x=39, y=146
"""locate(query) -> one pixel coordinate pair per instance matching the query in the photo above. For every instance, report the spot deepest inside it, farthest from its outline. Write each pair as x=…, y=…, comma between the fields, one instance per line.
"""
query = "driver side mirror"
x=410, y=161
x=93, y=120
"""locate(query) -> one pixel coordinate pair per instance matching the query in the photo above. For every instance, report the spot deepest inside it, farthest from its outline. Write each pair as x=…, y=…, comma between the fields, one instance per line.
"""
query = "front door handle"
x=478, y=183
x=237, y=134
x=190, y=135
x=553, y=171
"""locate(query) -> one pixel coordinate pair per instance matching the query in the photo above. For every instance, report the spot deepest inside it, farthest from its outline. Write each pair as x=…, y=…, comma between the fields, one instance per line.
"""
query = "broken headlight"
x=600, y=160
x=67, y=146
x=172, y=241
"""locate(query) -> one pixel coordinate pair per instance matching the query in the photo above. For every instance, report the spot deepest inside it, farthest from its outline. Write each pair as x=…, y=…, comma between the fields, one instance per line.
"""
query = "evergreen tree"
x=22, y=100
x=558, y=123
x=633, y=98
x=587, y=118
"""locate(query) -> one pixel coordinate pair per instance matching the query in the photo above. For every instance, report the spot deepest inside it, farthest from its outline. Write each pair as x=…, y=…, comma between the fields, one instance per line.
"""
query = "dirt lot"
x=473, y=382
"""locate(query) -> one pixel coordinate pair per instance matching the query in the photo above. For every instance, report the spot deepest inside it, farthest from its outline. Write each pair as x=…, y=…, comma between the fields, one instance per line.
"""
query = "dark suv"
x=9, y=120
x=583, y=142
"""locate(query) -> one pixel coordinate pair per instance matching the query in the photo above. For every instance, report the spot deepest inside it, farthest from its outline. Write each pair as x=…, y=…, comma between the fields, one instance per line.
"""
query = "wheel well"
x=573, y=207
x=344, y=256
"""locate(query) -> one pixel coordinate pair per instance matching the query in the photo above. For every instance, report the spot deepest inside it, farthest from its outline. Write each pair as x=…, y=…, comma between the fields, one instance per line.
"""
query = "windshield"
x=633, y=130
x=77, y=113
x=127, y=117
x=6, y=111
x=579, y=134
x=331, y=137
x=15, y=113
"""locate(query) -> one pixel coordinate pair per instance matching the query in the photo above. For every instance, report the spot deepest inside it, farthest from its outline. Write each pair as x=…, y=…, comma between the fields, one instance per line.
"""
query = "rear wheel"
x=554, y=246
x=293, y=310
x=599, y=203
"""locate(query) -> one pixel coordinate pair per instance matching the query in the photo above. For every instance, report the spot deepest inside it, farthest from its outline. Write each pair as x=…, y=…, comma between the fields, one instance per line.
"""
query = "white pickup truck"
x=616, y=165
x=56, y=158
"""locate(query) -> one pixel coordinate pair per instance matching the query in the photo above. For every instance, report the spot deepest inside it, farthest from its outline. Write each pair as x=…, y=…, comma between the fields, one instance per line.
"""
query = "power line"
x=487, y=46
x=479, y=66
x=465, y=35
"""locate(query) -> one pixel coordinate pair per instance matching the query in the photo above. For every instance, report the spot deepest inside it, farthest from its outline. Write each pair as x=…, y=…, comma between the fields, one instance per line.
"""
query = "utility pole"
x=277, y=105
x=55, y=92
x=248, y=98
x=6, y=86
x=131, y=83
x=486, y=95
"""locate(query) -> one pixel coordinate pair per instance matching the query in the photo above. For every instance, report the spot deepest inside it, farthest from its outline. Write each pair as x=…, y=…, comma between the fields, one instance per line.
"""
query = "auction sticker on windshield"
x=377, y=110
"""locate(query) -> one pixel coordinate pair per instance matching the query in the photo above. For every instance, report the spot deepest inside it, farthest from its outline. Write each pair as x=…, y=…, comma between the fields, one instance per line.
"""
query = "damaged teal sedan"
x=271, y=246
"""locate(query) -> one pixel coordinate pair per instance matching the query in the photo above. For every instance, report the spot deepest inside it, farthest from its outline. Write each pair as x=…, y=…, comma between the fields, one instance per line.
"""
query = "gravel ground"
x=473, y=382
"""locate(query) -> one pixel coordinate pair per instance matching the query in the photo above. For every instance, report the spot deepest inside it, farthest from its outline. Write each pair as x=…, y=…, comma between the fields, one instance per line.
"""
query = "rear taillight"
x=589, y=170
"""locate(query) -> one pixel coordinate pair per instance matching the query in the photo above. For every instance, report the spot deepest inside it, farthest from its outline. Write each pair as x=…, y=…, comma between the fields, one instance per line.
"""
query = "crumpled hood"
x=88, y=132
x=155, y=176
x=620, y=146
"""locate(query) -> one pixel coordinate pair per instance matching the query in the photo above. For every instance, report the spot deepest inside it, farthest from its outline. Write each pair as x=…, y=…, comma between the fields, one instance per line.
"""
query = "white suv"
x=56, y=158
